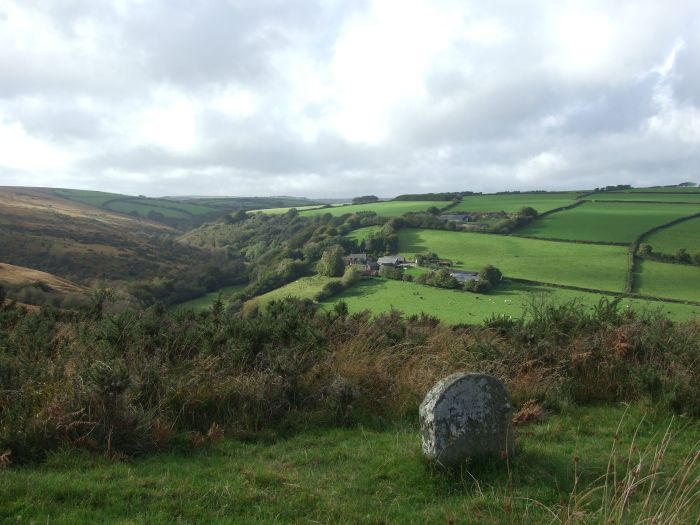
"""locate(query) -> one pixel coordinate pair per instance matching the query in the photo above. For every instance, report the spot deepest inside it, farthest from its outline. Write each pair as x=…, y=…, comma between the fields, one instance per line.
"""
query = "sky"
x=333, y=98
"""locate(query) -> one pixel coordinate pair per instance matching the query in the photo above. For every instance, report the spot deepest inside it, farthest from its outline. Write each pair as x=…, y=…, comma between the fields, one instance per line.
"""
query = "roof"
x=455, y=217
x=358, y=256
x=464, y=277
x=391, y=259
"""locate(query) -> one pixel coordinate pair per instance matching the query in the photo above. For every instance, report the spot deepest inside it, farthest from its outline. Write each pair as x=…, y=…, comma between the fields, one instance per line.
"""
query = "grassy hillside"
x=319, y=476
x=607, y=222
x=513, y=202
x=683, y=235
x=588, y=266
x=304, y=288
x=281, y=211
x=675, y=281
x=78, y=242
x=454, y=307
x=205, y=301
x=361, y=234
x=387, y=209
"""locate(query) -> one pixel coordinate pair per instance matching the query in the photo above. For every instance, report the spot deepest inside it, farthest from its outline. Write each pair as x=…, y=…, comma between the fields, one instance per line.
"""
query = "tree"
x=645, y=249
x=491, y=274
x=331, y=263
x=528, y=211
x=683, y=255
x=365, y=199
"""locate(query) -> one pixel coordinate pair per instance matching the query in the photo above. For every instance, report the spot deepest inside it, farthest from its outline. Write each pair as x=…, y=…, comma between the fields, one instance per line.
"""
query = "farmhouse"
x=357, y=258
x=464, y=277
x=456, y=217
x=391, y=260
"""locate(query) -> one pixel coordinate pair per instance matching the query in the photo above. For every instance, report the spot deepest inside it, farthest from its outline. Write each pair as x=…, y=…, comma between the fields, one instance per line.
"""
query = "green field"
x=589, y=266
x=683, y=235
x=281, y=211
x=304, y=288
x=513, y=202
x=91, y=198
x=673, y=281
x=354, y=475
x=361, y=234
x=205, y=301
x=664, y=189
x=688, y=196
x=606, y=222
x=387, y=209
x=454, y=307
x=143, y=210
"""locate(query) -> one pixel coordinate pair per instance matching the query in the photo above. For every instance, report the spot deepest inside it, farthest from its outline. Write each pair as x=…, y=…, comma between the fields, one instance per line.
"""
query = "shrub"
x=491, y=274
x=645, y=249
x=331, y=263
x=683, y=256
x=478, y=286
x=696, y=258
x=391, y=272
x=329, y=290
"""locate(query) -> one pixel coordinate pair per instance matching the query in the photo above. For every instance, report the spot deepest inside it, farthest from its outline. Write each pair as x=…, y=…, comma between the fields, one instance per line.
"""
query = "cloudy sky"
x=340, y=98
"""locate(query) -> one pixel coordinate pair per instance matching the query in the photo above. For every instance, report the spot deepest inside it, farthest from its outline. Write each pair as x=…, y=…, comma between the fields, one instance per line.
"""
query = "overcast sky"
x=342, y=98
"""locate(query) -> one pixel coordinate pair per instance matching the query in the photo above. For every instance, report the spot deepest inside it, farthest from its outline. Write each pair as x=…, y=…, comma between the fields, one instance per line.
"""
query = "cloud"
x=331, y=98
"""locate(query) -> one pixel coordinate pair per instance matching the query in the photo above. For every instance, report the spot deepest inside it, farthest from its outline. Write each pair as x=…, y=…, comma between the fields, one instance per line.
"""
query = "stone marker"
x=465, y=416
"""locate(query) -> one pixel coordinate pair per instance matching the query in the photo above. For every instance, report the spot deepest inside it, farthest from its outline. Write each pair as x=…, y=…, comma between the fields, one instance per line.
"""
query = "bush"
x=391, y=272
x=491, y=274
x=407, y=277
x=683, y=256
x=478, y=286
x=329, y=290
x=332, y=263
x=696, y=258
x=645, y=249
x=351, y=276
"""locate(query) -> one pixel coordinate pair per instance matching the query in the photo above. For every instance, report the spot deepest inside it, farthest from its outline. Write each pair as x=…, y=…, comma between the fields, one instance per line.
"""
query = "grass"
x=514, y=202
x=588, y=266
x=352, y=475
x=686, y=196
x=683, y=235
x=91, y=198
x=361, y=234
x=129, y=207
x=205, y=301
x=387, y=209
x=606, y=222
x=304, y=288
x=282, y=211
x=674, y=281
x=455, y=307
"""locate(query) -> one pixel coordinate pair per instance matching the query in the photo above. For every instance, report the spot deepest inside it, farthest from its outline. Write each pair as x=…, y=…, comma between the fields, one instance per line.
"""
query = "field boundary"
x=576, y=203
x=570, y=241
x=621, y=201
x=634, y=246
x=604, y=292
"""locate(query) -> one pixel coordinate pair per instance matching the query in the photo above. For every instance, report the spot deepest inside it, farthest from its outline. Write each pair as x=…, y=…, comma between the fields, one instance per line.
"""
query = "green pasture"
x=673, y=281
x=205, y=301
x=606, y=222
x=91, y=198
x=356, y=475
x=129, y=207
x=513, y=202
x=304, y=288
x=683, y=196
x=453, y=306
x=683, y=235
x=664, y=189
x=387, y=208
x=281, y=211
x=590, y=266
x=361, y=234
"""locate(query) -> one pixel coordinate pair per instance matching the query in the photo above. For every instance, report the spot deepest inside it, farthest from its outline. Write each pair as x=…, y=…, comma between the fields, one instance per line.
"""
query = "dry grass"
x=19, y=275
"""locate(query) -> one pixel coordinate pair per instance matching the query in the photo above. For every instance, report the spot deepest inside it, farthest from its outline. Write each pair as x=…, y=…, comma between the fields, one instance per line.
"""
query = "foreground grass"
x=454, y=307
x=589, y=266
x=675, y=281
x=386, y=209
x=607, y=221
x=683, y=235
x=353, y=475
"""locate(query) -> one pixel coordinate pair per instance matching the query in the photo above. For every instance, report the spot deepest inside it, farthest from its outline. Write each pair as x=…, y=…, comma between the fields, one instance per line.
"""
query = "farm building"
x=456, y=217
x=391, y=260
x=357, y=258
x=464, y=277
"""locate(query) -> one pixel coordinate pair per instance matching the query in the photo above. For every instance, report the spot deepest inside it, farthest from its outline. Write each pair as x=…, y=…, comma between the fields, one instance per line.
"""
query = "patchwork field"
x=513, y=202
x=589, y=266
x=606, y=222
x=454, y=307
x=387, y=209
x=673, y=281
x=683, y=235
x=281, y=211
x=687, y=196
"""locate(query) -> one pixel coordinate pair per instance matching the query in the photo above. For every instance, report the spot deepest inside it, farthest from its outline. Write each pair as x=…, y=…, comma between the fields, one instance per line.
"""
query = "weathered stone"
x=466, y=416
